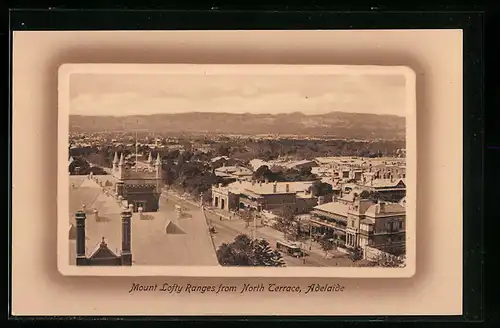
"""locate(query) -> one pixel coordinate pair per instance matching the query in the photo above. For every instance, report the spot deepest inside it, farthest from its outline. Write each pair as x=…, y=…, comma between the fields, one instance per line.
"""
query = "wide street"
x=227, y=230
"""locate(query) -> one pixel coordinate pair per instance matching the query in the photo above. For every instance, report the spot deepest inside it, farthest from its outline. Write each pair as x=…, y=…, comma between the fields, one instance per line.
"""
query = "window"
x=400, y=224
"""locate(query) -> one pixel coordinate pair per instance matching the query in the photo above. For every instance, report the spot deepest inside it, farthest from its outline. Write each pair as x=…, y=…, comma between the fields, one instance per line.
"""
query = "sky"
x=121, y=95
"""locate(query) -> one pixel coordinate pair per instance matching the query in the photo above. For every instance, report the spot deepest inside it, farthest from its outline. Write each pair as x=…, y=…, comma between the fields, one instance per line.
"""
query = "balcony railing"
x=327, y=223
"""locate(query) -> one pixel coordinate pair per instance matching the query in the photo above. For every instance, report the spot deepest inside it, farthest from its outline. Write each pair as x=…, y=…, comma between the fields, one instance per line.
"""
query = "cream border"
x=65, y=72
x=436, y=55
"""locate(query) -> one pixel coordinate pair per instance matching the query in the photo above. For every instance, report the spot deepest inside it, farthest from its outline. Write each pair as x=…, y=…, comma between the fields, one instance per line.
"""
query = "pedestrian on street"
x=220, y=218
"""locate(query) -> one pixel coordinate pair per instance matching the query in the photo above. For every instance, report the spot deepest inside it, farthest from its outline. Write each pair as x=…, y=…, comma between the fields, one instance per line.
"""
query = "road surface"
x=227, y=230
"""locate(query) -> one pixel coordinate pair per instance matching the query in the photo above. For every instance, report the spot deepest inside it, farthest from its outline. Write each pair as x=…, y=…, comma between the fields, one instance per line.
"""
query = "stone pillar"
x=126, y=254
x=80, y=218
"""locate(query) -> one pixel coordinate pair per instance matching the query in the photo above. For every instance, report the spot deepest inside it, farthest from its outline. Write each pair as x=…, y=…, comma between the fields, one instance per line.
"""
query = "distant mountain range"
x=334, y=124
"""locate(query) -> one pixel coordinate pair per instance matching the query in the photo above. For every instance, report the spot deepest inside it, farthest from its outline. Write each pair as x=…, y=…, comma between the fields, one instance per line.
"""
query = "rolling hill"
x=335, y=124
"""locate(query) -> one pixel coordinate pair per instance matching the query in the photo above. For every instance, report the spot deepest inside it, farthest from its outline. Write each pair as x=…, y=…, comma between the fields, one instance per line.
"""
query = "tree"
x=387, y=260
x=287, y=223
x=391, y=261
x=356, y=254
x=170, y=154
x=326, y=245
x=244, y=251
x=319, y=188
x=247, y=216
x=302, y=174
x=264, y=173
x=223, y=150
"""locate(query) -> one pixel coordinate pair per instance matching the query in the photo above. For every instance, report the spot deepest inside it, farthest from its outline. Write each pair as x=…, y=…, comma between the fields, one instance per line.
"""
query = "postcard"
x=237, y=170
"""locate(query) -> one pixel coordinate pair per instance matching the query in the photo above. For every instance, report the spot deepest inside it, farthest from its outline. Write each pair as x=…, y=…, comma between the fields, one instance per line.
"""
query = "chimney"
x=377, y=208
x=96, y=214
x=287, y=187
x=80, y=218
x=275, y=186
x=382, y=207
x=321, y=200
x=126, y=255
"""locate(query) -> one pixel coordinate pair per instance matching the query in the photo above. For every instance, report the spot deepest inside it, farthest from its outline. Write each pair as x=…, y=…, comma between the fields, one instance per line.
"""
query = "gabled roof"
x=102, y=251
x=72, y=232
x=172, y=228
x=215, y=159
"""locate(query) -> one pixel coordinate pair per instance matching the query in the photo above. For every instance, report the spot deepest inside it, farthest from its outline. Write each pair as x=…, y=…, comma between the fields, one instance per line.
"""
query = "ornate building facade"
x=140, y=187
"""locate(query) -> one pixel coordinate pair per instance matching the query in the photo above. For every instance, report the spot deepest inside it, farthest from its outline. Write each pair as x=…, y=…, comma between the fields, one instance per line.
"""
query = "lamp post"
x=310, y=236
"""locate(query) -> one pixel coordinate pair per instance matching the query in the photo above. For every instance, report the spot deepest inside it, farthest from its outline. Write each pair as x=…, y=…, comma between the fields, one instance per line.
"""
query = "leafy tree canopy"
x=319, y=188
x=356, y=254
x=244, y=251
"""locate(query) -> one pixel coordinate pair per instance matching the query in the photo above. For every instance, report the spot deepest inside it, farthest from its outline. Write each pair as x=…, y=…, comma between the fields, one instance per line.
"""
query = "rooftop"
x=333, y=207
x=385, y=183
x=215, y=159
x=377, y=210
x=236, y=170
x=268, y=188
x=370, y=210
x=155, y=238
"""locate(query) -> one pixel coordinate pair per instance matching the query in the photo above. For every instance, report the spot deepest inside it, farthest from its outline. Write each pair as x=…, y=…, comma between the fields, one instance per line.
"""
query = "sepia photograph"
x=237, y=170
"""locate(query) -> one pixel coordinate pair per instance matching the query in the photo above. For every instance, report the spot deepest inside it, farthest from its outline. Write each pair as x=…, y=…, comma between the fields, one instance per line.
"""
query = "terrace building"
x=264, y=196
x=361, y=223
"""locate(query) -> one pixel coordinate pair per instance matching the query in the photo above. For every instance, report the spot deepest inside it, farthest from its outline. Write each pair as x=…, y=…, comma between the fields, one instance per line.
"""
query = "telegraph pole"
x=310, y=236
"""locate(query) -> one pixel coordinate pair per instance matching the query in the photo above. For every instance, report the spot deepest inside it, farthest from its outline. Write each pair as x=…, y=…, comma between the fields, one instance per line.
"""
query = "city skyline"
x=146, y=94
